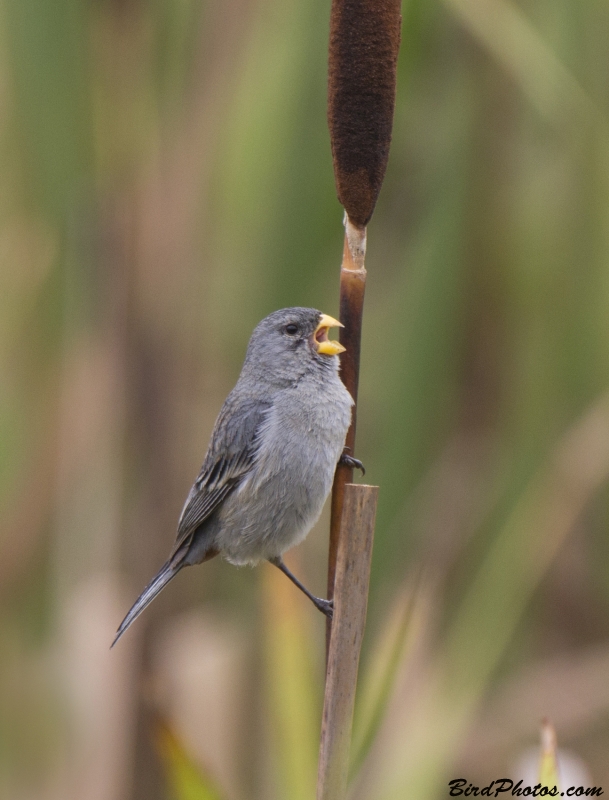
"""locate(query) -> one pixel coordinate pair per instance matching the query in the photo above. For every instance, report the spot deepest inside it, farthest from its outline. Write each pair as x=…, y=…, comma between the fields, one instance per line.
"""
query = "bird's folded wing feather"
x=230, y=456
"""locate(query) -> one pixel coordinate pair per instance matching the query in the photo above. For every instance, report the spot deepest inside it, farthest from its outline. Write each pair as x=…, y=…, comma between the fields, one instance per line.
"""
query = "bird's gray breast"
x=298, y=445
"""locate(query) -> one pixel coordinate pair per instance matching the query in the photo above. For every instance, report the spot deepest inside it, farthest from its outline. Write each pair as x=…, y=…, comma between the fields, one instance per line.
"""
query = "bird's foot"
x=353, y=463
x=325, y=606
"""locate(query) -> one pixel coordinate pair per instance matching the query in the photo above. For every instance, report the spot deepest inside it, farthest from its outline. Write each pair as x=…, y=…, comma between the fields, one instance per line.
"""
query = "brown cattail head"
x=364, y=44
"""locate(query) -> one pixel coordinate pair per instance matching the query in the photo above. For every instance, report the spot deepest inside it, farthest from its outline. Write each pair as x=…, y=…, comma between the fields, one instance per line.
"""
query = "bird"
x=272, y=455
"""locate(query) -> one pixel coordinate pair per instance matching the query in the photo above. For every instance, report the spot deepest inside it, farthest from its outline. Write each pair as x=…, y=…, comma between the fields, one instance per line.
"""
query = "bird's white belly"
x=277, y=505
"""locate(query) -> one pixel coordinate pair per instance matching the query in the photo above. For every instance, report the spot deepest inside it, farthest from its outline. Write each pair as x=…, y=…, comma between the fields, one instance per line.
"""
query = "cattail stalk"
x=352, y=288
x=364, y=43
x=352, y=577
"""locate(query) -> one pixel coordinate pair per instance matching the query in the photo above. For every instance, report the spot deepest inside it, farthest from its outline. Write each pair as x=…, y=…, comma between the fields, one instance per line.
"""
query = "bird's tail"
x=168, y=571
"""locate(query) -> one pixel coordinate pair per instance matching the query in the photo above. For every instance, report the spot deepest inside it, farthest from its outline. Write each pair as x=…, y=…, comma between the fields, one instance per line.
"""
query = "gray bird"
x=272, y=456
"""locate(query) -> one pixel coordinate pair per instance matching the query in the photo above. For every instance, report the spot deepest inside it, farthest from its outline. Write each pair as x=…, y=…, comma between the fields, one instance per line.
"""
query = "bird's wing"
x=230, y=455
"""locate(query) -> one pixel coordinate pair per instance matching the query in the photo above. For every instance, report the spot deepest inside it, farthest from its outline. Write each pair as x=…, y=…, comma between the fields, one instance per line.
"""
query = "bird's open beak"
x=321, y=342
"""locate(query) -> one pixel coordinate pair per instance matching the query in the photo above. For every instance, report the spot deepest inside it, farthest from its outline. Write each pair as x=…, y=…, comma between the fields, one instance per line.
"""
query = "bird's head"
x=289, y=342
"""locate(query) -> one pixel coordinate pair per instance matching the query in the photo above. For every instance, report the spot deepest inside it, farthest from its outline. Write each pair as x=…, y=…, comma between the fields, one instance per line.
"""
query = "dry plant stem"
x=352, y=288
x=352, y=579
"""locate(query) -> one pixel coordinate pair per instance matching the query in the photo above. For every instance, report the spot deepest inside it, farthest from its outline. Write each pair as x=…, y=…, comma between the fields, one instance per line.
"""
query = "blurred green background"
x=167, y=182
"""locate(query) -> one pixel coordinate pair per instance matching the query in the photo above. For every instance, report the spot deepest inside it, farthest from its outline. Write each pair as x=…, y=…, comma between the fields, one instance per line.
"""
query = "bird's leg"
x=348, y=461
x=325, y=606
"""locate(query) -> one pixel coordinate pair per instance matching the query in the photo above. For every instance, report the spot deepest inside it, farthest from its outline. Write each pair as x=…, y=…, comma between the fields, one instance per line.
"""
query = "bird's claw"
x=325, y=606
x=353, y=463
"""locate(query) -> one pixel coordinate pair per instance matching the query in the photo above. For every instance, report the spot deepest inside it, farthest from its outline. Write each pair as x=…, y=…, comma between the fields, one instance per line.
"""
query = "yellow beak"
x=320, y=337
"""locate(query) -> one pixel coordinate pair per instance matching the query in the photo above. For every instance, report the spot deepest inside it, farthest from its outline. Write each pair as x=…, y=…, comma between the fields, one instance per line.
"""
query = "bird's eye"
x=291, y=329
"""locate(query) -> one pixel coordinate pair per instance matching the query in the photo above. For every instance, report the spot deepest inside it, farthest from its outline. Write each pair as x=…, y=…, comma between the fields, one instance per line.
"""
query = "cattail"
x=364, y=43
